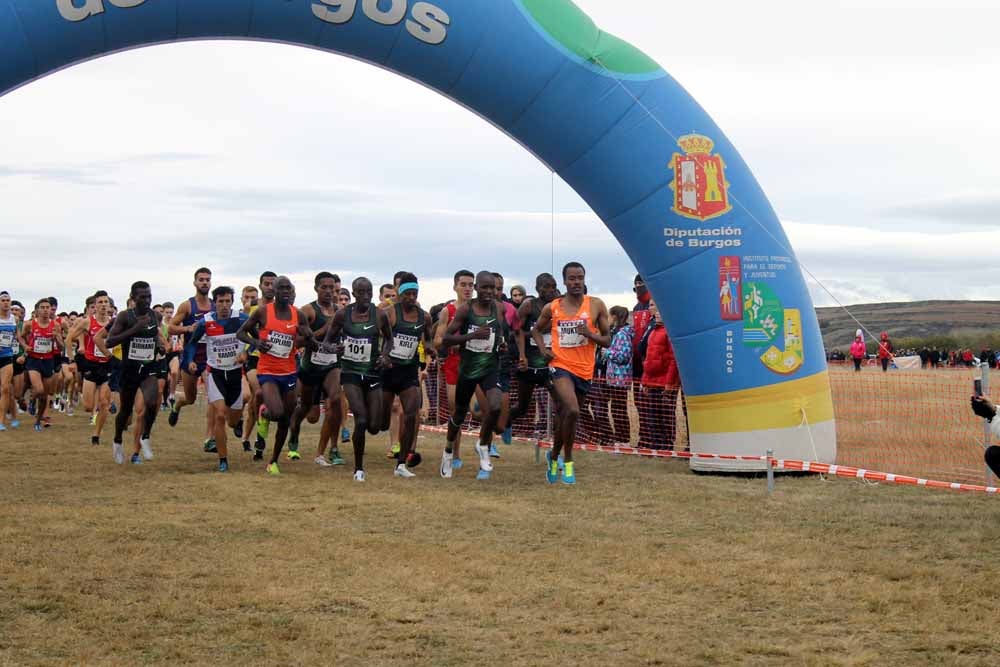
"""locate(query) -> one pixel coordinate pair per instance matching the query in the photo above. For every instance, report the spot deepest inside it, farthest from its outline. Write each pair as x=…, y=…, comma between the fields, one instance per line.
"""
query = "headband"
x=406, y=287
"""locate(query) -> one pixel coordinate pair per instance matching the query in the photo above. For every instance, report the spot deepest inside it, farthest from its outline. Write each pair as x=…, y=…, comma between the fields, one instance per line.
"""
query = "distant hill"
x=970, y=323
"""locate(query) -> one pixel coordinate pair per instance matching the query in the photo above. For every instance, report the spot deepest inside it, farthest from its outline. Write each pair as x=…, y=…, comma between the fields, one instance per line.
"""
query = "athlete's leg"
x=151, y=401
x=39, y=394
x=410, y=400
x=491, y=414
x=454, y=445
x=460, y=408
x=220, y=430
x=103, y=406
x=388, y=403
x=334, y=413
x=6, y=392
x=128, y=393
x=359, y=406
x=301, y=411
x=567, y=417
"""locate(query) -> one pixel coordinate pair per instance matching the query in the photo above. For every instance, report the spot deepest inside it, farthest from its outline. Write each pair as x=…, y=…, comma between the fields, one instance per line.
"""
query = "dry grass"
x=641, y=563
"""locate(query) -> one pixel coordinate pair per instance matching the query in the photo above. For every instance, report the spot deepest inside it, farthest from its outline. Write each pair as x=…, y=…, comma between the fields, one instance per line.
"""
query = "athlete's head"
x=345, y=297
x=407, y=289
x=102, y=303
x=517, y=294
x=168, y=310
x=141, y=296
x=498, y=278
x=284, y=291
x=267, y=285
x=486, y=287
x=5, y=303
x=73, y=317
x=465, y=281
x=88, y=305
x=17, y=308
x=43, y=310
x=54, y=302
x=158, y=309
x=545, y=285
x=224, y=297
x=362, y=290
x=386, y=293
x=248, y=297
x=397, y=279
x=574, y=277
x=203, y=281
x=327, y=287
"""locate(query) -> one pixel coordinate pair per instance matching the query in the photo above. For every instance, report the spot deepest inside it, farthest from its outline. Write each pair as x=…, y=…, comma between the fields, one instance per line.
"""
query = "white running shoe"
x=446, y=465
x=69, y=411
x=359, y=475
x=403, y=471
x=322, y=462
x=484, y=458
x=147, y=449
x=118, y=452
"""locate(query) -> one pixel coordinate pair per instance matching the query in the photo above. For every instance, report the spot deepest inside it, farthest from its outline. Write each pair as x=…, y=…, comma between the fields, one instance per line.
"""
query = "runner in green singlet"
x=533, y=368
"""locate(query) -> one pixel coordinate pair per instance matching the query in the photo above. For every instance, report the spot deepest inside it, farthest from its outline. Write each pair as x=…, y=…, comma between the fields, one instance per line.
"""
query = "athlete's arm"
x=523, y=314
x=334, y=327
x=177, y=323
x=306, y=337
x=118, y=333
x=192, y=345
x=429, y=348
x=452, y=337
x=382, y=320
x=76, y=330
x=22, y=336
x=99, y=339
x=603, y=337
x=543, y=324
x=249, y=332
x=444, y=319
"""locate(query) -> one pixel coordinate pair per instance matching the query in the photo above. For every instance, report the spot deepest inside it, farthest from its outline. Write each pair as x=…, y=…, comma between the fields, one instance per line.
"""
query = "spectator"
x=967, y=357
x=517, y=294
x=885, y=350
x=640, y=320
x=657, y=404
x=858, y=350
x=619, y=373
x=925, y=357
x=935, y=357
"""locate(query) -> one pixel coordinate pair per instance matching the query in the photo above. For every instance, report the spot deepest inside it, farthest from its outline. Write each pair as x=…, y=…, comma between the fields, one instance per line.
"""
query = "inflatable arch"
x=600, y=113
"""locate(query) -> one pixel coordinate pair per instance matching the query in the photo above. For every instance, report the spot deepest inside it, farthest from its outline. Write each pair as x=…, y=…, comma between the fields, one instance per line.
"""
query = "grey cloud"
x=292, y=203
x=975, y=210
x=93, y=173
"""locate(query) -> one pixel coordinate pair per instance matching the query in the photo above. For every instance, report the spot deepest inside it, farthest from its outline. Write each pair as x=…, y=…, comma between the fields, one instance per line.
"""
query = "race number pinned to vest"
x=41, y=345
x=482, y=346
x=546, y=339
x=404, y=347
x=6, y=339
x=222, y=352
x=357, y=350
x=324, y=358
x=569, y=337
x=142, y=349
x=281, y=344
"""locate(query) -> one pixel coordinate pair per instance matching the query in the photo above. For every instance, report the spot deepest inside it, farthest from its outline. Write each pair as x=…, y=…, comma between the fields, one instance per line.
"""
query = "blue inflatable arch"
x=600, y=113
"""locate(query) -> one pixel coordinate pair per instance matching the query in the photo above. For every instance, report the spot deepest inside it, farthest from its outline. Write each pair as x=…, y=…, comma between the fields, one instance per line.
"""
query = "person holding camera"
x=985, y=408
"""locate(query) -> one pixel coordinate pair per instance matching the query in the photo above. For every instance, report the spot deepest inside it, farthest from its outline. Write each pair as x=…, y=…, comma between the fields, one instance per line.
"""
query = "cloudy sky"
x=873, y=126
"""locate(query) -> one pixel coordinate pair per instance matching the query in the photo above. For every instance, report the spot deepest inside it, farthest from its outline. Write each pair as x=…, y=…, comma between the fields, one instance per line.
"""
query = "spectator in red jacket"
x=858, y=350
x=885, y=350
x=640, y=320
x=657, y=399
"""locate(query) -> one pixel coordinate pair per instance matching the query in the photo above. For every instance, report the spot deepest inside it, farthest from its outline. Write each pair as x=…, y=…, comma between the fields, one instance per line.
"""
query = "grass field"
x=642, y=563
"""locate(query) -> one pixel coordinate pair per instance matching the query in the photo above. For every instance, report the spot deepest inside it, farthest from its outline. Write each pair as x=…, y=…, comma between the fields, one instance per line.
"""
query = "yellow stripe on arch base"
x=794, y=419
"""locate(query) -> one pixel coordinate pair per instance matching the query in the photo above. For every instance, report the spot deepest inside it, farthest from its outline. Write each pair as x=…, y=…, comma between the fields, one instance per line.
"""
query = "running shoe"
x=258, y=455
x=359, y=475
x=447, y=465
x=31, y=408
x=95, y=440
x=345, y=435
x=209, y=446
x=15, y=424
x=569, y=476
x=175, y=414
x=508, y=436
x=393, y=452
x=223, y=466
x=404, y=472
x=272, y=469
x=456, y=463
x=2, y=428
x=494, y=452
x=173, y=401
x=46, y=421
x=93, y=419
x=238, y=429
x=322, y=462
x=147, y=448
x=483, y=474
x=335, y=458
x=246, y=446
x=69, y=410
x=118, y=452
x=484, y=458
x=135, y=460
x=551, y=468
x=113, y=409
x=293, y=455
x=38, y=427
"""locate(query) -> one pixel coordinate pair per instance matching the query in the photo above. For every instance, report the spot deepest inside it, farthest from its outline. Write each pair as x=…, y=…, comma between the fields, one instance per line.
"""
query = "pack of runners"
x=266, y=362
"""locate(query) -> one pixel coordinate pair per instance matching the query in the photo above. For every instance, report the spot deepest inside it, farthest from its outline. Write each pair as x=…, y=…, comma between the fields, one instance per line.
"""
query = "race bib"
x=142, y=349
x=324, y=358
x=6, y=339
x=568, y=336
x=222, y=352
x=358, y=350
x=404, y=347
x=546, y=338
x=482, y=346
x=98, y=354
x=281, y=344
x=41, y=346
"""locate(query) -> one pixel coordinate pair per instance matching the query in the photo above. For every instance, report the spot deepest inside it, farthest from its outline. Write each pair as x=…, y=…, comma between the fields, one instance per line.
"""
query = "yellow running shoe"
x=272, y=469
x=293, y=455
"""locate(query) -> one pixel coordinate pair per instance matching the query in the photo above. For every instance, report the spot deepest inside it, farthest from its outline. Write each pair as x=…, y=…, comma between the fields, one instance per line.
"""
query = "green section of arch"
x=568, y=25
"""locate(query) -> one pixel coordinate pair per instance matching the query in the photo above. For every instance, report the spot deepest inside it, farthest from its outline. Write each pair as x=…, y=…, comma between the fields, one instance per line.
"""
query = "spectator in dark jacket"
x=657, y=400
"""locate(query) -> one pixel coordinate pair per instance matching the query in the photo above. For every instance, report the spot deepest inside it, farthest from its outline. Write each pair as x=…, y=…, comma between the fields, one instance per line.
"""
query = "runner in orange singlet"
x=276, y=330
x=578, y=324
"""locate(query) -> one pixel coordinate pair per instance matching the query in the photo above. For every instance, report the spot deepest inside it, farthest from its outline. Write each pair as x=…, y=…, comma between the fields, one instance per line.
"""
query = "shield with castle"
x=700, y=188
